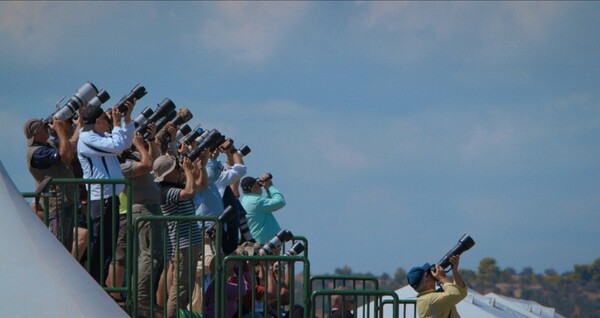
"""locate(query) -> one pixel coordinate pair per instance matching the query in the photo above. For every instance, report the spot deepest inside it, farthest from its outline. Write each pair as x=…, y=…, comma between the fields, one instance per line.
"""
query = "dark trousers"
x=230, y=237
x=105, y=226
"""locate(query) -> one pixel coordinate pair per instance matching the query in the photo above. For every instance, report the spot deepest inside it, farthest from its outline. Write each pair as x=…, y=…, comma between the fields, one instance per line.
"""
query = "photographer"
x=51, y=158
x=145, y=194
x=259, y=208
x=97, y=150
x=231, y=173
x=178, y=185
x=432, y=303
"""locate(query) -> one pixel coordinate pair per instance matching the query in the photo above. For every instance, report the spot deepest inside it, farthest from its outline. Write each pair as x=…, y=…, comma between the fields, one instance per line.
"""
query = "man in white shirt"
x=97, y=151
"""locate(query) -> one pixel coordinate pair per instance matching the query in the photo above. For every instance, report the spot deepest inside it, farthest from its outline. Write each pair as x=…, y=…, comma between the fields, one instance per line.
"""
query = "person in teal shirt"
x=259, y=208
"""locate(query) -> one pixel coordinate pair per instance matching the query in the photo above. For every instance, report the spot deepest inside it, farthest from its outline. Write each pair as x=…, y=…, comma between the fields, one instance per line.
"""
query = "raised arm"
x=189, y=190
x=65, y=149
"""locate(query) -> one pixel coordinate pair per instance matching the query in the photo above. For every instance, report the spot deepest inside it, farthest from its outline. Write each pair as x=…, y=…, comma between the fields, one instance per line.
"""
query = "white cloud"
x=250, y=31
x=486, y=33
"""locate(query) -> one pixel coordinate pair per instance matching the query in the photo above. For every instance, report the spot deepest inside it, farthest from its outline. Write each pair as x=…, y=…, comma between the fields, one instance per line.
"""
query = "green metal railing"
x=61, y=183
x=267, y=261
x=313, y=294
x=405, y=303
x=377, y=294
x=192, y=263
x=349, y=282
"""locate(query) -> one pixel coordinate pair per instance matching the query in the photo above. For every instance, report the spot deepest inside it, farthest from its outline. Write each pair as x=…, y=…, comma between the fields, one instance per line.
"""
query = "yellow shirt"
x=432, y=304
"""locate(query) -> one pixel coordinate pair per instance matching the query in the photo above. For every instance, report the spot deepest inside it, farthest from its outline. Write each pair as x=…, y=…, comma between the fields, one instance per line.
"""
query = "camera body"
x=265, y=177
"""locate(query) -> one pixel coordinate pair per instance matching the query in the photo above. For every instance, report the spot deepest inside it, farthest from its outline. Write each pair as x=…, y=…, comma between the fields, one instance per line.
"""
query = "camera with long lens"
x=137, y=92
x=189, y=138
x=282, y=236
x=227, y=215
x=161, y=123
x=211, y=141
x=182, y=116
x=464, y=244
x=296, y=249
x=162, y=110
x=82, y=96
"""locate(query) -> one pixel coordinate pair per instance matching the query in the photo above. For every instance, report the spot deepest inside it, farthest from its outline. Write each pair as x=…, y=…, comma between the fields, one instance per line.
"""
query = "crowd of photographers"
x=174, y=171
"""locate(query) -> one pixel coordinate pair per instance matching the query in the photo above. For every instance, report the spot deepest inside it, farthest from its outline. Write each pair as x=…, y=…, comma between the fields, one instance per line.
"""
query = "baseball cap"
x=90, y=114
x=248, y=183
x=416, y=274
x=30, y=127
x=162, y=166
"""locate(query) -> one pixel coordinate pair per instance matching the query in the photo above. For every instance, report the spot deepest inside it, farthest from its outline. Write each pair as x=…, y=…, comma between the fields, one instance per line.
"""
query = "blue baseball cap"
x=416, y=274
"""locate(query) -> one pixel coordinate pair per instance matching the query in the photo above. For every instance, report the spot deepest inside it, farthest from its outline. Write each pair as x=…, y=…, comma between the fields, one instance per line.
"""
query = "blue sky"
x=392, y=128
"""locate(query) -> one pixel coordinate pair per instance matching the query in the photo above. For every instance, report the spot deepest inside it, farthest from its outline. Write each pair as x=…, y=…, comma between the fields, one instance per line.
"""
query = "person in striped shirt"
x=178, y=185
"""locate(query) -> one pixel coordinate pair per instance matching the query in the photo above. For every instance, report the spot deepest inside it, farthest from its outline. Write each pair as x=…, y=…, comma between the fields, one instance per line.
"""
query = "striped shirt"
x=172, y=206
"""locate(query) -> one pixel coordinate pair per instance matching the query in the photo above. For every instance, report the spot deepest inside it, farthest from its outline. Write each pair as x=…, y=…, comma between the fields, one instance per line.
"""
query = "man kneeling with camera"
x=432, y=303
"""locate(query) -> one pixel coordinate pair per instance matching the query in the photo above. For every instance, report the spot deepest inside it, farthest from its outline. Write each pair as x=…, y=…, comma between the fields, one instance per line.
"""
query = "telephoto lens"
x=183, y=116
x=182, y=131
x=464, y=244
x=244, y=230
x=190, y=137
x=137, y=92
x=83, y=95
x=99, y=99
x=164, y=108
x=296, y=249
x=161, y=123
x=212, y=140
x=282, y=236
x=143, y=117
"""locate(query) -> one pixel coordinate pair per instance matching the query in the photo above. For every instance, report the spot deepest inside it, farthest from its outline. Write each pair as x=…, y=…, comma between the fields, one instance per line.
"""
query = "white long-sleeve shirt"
x=229, y=176
x=97, y=154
